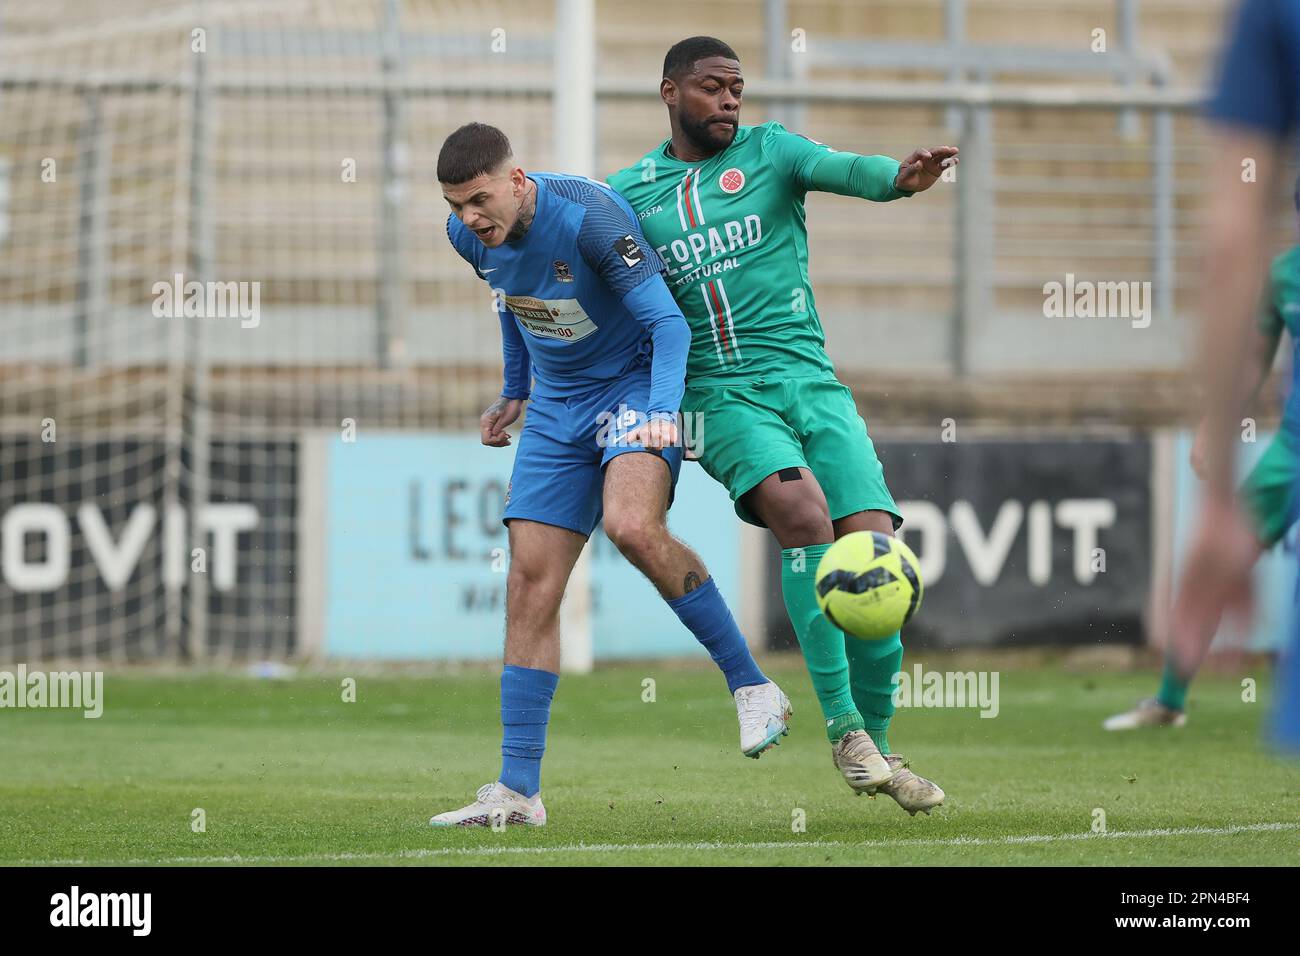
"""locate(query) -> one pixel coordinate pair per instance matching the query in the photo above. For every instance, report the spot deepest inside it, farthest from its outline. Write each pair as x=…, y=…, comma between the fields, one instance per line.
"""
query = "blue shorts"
x=559, y=473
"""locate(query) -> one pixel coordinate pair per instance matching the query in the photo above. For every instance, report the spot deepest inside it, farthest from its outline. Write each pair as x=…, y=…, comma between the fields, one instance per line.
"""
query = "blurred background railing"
x=291, y=143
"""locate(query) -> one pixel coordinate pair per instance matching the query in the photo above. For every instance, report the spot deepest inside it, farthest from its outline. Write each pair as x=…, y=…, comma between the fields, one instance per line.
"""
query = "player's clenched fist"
x=656, y=434
x=499, y=416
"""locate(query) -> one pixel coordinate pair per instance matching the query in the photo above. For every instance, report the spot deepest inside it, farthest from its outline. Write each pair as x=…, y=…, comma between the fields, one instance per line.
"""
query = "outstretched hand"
x=922, y=169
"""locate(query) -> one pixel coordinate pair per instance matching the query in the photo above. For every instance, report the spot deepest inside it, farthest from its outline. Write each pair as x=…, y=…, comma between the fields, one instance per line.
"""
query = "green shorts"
x=1269, y=490
x=747, y=432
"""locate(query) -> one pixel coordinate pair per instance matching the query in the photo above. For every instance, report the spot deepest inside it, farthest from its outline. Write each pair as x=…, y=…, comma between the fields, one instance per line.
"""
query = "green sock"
x=821, y=641
x=872, y=666
x=1173, y=689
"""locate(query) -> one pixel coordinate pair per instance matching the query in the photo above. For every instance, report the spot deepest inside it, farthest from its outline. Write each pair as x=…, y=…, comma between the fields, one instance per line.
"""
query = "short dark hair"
x=684, y=54
x=471, y=151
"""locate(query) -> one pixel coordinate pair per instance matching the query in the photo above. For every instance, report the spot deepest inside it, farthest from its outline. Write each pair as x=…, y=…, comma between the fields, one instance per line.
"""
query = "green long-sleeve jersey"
x=731, y=232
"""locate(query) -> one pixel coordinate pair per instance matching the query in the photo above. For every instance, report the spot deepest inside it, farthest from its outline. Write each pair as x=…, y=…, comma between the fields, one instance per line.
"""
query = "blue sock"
x=525, y=708
x=707, y=616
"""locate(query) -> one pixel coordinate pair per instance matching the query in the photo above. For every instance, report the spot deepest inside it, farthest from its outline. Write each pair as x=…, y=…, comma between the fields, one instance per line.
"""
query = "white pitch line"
x=616, y=847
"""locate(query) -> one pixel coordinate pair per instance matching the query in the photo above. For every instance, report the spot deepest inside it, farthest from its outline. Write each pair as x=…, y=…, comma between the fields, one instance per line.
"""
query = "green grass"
x=288, y=773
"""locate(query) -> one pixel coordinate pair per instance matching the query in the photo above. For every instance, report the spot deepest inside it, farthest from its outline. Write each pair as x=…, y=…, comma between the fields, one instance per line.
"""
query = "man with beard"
x=723, y=205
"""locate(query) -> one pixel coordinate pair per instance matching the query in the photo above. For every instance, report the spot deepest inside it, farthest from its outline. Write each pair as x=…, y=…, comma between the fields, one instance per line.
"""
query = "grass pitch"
x=285, y=772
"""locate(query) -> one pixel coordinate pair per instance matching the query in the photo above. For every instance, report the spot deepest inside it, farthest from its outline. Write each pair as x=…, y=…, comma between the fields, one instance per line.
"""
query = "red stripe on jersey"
x=686, y=194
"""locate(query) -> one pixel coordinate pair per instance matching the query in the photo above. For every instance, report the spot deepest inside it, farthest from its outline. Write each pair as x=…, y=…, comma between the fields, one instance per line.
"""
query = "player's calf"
x=636, y=491
x=543, y=556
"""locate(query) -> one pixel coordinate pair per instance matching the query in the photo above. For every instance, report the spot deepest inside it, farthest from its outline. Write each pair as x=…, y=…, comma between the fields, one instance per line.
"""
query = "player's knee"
x=803, y=523
x=532, y=587
x=634, y=535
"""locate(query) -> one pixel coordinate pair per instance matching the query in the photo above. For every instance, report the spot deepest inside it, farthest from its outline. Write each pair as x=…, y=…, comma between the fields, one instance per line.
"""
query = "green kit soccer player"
x=723, y=205
x=1267, y=496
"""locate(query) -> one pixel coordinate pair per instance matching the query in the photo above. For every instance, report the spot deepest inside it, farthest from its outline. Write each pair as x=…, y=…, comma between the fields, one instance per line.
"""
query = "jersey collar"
x=663, y=151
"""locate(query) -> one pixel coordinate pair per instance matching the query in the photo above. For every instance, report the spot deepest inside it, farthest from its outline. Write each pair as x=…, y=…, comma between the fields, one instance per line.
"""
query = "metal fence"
x=290, y=145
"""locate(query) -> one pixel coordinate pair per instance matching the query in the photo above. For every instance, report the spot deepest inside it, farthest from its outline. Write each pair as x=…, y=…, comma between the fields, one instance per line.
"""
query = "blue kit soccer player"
x=592, y=339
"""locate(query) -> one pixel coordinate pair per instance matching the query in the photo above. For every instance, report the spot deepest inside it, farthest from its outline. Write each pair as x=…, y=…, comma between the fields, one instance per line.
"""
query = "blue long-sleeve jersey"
x=582, y=297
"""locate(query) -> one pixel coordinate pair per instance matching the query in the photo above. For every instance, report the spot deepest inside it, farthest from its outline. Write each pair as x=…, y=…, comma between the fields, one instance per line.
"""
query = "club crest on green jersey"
x=732, y=181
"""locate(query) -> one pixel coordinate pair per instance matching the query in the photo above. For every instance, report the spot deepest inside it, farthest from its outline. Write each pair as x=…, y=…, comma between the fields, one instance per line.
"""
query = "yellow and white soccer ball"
x=869, y=584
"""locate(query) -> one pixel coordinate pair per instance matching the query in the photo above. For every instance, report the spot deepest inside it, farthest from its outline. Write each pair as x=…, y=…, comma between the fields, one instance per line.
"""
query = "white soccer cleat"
x=1147, y=713
x=763, y=711
x=858, y=758
x=909, y=790
x=496, y=805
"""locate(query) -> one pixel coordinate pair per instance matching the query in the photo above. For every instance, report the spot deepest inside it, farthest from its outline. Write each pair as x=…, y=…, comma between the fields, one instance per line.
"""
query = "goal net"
x=220, y=230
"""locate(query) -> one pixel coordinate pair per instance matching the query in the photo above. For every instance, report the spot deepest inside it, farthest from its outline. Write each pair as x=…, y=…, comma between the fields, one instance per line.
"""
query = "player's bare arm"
x=1232, y=276
x=1216, y=576
x=1263, y=351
